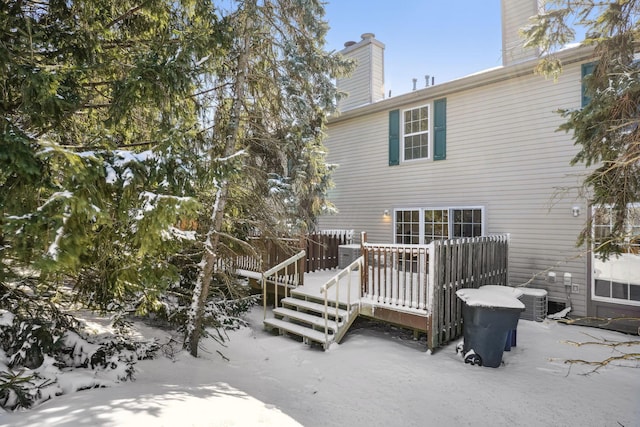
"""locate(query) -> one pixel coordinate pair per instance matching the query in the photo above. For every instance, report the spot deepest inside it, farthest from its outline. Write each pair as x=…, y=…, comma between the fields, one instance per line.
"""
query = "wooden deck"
x=411, y=286
x=306, y=313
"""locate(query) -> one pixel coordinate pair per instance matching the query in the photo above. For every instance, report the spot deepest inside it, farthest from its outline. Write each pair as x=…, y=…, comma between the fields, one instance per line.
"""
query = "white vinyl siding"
x=514, y=16
x=503, y=153
x=366, y=84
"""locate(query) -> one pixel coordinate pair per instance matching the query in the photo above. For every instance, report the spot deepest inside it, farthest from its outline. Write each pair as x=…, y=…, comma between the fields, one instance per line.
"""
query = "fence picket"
x=462, y=263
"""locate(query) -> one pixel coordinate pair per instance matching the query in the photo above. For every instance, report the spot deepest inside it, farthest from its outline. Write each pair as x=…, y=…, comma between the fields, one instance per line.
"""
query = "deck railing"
x=396, y=275
x=286, y=275
x=339, y=281
x=423, y=279
x=267, y=253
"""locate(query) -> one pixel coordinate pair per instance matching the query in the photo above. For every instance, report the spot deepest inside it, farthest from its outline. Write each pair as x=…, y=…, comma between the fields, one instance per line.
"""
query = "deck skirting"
x=415, y=319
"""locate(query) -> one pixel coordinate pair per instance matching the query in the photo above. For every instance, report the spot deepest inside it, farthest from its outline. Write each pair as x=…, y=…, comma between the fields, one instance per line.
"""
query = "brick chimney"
x=366, y=83
x=515, y=15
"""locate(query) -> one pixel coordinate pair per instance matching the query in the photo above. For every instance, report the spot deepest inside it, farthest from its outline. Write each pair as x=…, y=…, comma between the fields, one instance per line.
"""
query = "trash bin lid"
x=507, y=290
x=489, y=298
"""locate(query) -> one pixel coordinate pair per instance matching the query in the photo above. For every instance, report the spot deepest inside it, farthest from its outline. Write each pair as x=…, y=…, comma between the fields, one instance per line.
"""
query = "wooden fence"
x=321, y=252
x=457, y=264
x=322, y=248
x=419, y=282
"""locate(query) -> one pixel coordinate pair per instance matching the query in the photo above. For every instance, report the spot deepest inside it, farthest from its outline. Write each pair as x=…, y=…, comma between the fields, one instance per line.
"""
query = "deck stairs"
x=302, y=315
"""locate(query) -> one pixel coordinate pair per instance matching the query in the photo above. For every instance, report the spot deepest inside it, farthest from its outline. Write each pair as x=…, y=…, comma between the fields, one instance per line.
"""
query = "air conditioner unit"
x=347, y=254
x=535, y=304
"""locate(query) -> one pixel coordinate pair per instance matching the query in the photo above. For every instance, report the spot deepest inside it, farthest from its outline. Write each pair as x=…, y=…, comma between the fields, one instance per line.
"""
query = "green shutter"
x=440, y=129
x=394, y=137
x=586, y=70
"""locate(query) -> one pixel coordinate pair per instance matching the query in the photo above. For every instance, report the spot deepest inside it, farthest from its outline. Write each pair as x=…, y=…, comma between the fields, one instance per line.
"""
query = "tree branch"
x=127, y=14
x=602, y=363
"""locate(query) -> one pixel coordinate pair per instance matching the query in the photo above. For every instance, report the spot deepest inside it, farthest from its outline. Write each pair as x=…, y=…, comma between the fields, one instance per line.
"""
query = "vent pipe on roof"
x=415, y=81
x=349, y=43
x=426, y=80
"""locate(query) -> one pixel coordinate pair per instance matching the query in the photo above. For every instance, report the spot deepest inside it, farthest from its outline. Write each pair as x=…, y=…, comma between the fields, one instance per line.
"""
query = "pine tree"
x=97, y=127
x=123, y=120
x=607, y=129
x=268, y=109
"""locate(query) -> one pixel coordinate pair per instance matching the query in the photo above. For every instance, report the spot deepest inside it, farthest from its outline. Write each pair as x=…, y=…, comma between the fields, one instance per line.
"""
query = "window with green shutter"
x=409, y=133
x=440, y=129
x=394, y=137
x=586, y=70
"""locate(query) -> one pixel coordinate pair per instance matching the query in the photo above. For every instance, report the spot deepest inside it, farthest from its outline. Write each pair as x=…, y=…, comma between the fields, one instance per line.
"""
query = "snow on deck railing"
x=396, y=275
x=335, y=281
x=346, y=234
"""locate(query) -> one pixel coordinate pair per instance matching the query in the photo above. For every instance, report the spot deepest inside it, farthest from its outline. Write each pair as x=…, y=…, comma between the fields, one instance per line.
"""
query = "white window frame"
x=611, y=299
x=403, y=135
x=450, y=209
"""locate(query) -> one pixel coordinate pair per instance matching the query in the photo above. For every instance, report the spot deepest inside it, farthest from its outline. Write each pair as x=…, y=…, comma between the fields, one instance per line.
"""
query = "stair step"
x=311, y=319
x=305, y=295
x=312, y=306
x=299, y=330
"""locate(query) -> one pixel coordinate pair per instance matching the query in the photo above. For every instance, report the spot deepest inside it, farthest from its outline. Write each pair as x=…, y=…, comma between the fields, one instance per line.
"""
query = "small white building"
x=479, y=155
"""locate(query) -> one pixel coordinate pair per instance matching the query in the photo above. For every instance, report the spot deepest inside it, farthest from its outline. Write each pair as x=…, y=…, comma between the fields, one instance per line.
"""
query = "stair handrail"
x=335, y=281
x=273, y=271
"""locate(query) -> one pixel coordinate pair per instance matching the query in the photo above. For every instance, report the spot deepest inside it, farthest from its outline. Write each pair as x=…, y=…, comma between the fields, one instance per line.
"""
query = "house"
x=478, y=156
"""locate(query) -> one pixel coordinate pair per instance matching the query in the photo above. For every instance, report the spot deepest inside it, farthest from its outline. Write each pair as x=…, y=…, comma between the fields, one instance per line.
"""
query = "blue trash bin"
x=488, y=318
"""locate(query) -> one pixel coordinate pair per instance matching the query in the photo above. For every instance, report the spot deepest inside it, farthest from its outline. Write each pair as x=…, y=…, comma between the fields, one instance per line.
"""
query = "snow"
x=507, y=290
x=54, y=197
x=377, y=376
x=489, y=298
x=533, y=292
x=6, y=318
x=559, y=315
x=54, y=248
x=174, y=232
x=625, y=268
x=112, y=176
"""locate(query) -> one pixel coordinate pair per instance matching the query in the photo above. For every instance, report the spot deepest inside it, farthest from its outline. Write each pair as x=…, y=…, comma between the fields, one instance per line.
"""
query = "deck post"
x=364, y=274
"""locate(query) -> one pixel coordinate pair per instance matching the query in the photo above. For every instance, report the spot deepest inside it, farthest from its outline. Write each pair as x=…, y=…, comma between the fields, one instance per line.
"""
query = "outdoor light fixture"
x=575, y=210
x=386, y=212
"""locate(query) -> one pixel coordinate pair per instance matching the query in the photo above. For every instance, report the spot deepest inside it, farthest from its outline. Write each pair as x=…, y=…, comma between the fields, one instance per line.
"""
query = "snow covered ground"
x=377, y=376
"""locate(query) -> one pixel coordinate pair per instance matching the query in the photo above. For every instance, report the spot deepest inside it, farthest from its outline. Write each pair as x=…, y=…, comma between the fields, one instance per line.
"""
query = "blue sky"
x=445, y=39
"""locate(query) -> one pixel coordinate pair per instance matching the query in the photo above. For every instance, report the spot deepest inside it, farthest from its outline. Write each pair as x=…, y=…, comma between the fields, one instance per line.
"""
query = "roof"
x=482, y=78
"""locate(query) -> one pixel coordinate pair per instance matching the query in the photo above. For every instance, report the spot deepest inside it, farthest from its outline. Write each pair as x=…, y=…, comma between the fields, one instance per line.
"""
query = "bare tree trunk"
x=209, y=256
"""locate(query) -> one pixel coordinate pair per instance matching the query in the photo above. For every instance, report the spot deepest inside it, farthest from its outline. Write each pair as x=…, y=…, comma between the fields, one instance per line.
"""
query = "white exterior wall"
x=377, y=72
x=503, y=153
x=515, y=15
x=366, y=83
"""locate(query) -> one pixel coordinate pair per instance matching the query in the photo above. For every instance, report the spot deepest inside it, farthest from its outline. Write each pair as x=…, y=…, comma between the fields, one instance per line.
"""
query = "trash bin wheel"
x=474, y=359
